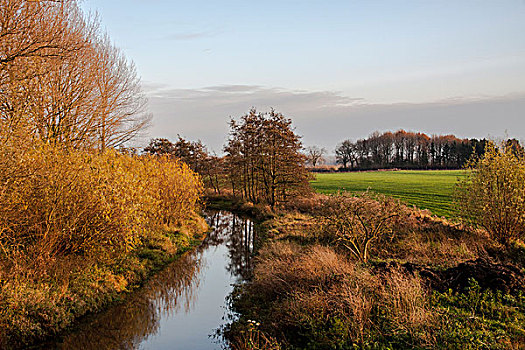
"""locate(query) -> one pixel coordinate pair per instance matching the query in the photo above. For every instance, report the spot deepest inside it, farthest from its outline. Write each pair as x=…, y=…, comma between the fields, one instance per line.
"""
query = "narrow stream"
x=184, y=305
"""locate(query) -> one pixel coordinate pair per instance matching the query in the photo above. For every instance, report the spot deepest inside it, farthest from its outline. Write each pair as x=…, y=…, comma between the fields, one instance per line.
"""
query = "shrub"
x=73, y=202
x=493, y=194
x=70, y=225
x=359, y=222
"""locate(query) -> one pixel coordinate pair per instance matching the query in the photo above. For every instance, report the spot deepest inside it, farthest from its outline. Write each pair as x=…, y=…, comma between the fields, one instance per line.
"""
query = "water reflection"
x=182, y=305
x=238, y=235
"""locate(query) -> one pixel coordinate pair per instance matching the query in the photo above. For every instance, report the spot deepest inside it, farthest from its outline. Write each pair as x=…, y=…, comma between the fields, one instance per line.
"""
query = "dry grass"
x=414, y=235
x=313, y=295
x=310, y=291
x=254, y=339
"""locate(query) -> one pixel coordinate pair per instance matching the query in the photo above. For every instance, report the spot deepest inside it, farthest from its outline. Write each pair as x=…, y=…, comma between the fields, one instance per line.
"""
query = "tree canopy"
x=62, y=81
x=264, y=160
x=407, y=150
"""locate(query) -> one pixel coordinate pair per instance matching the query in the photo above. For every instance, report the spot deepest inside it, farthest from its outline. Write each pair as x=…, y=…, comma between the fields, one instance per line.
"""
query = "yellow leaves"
x=493, y=195
x=106, y=202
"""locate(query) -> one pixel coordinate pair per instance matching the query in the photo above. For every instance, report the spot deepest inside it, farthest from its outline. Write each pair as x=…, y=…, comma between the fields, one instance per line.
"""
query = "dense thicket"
x=57, y=203
x=263, y=158
x=407, y=150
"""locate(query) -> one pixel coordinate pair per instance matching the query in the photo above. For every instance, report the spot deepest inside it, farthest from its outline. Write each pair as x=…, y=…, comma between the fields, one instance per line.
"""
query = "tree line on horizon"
x=409, y=150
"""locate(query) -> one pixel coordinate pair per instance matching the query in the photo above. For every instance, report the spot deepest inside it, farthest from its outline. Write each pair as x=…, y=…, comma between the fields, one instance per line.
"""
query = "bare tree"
x=344, y=153
x=62, y=81
x=264, y=160
x=359, y=222
x=31, y=32
x=314, y=155
x=121, y=105
x=35, y=29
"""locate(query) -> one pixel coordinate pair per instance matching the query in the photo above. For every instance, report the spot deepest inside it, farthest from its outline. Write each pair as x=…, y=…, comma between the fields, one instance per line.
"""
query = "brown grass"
x=310, y=291
x=414, y=235
x=319, y=292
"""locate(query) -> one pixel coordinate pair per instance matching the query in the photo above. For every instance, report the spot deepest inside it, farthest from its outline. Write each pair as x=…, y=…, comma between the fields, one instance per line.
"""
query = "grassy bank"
x=427, y=283
x=79, y=228
x=430, y=189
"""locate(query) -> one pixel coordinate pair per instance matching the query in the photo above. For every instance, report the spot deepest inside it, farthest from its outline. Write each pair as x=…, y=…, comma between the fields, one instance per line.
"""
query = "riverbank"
x=181, y=306
x=35, y=310
x=258, y=212
x=426, y=283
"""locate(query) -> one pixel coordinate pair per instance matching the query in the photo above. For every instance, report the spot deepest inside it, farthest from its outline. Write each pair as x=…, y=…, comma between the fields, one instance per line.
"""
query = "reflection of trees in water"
x=126, y=325
x=238, y=234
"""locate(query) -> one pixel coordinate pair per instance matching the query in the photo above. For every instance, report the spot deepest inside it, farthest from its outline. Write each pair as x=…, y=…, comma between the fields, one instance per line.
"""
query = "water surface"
x=184, y=305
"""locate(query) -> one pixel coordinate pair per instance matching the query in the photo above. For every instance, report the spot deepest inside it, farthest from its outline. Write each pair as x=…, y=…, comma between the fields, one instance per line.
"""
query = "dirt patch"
x=489, y=275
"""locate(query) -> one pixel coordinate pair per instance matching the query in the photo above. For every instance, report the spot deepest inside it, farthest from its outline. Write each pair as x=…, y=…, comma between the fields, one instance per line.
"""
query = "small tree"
x=314, y=155
x=264, y=160
x=358, y=223
x=345, y=154
x=493, y=194
x=160, y=147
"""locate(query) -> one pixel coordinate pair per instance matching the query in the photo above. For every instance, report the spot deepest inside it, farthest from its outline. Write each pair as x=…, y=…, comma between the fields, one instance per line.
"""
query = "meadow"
x=426, y=189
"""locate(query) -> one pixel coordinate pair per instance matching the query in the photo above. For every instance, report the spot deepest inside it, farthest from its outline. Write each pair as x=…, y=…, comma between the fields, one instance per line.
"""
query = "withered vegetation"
x=340, y=272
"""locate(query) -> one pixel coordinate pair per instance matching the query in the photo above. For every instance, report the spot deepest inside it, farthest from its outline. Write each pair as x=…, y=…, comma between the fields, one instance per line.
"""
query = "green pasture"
x=426, y=189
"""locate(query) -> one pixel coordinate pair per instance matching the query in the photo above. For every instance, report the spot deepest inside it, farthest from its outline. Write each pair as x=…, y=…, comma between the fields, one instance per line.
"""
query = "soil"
x=489, y=275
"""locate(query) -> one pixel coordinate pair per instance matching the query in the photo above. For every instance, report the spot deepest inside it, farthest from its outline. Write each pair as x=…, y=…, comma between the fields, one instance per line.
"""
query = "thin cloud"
x=325, y=118
x=190, y=35
x=255, y=95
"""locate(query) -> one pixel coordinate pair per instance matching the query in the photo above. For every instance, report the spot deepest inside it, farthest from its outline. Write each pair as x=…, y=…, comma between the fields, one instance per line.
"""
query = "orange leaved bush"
x=59, y=202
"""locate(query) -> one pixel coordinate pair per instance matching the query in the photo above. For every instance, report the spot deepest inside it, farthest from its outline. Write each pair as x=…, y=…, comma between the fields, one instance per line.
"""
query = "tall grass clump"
x=71, y=222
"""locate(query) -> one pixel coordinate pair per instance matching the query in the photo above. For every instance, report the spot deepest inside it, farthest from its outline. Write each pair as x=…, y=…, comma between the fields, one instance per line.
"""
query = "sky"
x=339, y=69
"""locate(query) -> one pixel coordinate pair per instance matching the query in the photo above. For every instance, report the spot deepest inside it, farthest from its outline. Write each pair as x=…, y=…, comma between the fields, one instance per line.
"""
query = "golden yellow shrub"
x=59, y=202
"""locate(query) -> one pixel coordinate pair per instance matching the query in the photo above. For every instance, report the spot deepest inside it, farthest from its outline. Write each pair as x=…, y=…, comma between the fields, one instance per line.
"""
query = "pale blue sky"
x=340, y=69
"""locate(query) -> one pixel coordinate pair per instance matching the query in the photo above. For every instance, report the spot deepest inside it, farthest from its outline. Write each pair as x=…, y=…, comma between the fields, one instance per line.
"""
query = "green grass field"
x=426, y=189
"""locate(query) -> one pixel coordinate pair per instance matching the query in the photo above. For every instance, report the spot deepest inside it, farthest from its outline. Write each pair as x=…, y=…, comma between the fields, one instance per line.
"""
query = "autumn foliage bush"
x=493, y=194
x=75, y=202
x=69, y=219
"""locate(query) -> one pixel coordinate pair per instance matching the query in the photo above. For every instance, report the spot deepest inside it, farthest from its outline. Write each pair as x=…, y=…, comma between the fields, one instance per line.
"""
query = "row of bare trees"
x=407, y=150
x=263, y=162
x=62, y=80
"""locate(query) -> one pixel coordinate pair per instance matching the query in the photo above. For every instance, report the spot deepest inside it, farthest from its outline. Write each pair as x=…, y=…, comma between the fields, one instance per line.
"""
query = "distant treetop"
x=408, y=150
